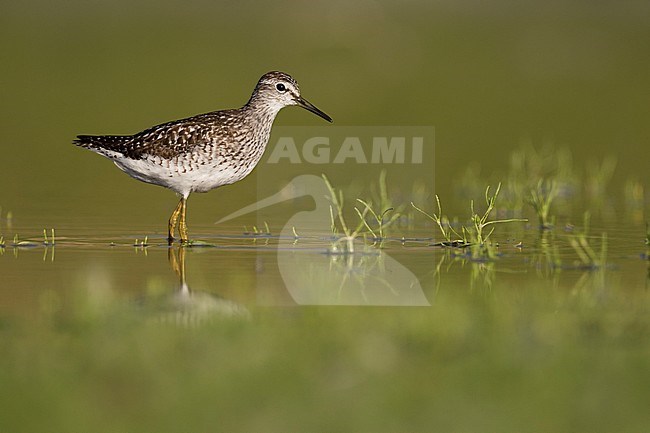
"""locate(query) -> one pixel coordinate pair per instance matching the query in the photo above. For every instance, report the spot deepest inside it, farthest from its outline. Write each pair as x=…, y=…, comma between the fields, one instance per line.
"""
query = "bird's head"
x=278, y=90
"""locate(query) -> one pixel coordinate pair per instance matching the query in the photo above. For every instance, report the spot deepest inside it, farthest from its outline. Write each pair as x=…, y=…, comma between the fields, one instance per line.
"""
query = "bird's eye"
x=281, y=87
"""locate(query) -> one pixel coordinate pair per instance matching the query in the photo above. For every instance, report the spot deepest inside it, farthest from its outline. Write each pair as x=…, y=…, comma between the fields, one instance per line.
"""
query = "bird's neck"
x=259, y=117
x=261, y=108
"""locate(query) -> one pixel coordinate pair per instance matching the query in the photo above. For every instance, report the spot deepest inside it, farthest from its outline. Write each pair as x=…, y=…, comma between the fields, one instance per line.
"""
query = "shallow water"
x=263, y=269
x=145, y=329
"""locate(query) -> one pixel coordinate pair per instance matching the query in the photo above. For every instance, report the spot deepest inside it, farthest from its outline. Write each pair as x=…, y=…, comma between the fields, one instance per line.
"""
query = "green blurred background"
x=510, y=345
x=487, y=76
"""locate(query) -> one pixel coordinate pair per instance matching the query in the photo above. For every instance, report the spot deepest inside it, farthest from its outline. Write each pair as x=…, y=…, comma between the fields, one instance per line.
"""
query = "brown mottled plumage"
x=206, y=151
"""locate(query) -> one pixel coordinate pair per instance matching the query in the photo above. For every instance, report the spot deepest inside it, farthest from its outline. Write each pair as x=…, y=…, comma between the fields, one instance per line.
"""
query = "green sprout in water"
x=336, y=213
x=478, y=234
x=443, y=224
x=475, y=236
x=48, y=242
x=296, y=237
x=258, y=231
x=380, y=219
x=386, y=205
x=540, y=198
x=143, y=244
x=383, y=217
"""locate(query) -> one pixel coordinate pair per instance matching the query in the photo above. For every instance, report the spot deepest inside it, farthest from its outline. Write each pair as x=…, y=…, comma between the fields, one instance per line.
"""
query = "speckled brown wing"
x=167, y=140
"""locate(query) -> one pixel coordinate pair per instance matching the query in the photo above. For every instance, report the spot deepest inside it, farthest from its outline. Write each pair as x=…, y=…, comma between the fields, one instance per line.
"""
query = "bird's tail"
x=105, y=144
x=85, y=140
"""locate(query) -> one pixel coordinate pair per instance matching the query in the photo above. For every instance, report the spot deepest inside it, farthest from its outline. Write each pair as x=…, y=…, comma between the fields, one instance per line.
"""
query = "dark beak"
x=310, y=107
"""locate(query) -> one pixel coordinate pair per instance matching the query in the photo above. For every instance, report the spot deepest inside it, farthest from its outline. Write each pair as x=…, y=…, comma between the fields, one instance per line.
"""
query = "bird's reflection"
x=190, y=307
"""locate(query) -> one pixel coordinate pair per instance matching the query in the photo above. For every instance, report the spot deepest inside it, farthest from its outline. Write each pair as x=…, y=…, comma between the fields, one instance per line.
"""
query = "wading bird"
x=202, y=152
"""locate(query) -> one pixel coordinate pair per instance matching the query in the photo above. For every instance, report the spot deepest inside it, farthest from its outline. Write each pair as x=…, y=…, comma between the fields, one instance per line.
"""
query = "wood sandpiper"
x=202, y=152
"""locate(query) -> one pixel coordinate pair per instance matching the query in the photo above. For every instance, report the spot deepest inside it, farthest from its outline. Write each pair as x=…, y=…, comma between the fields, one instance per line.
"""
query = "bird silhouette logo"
x=324, y=277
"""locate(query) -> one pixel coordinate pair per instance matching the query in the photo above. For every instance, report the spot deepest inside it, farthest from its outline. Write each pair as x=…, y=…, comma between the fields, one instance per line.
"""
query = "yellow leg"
x=182, y=224
x=172, y=221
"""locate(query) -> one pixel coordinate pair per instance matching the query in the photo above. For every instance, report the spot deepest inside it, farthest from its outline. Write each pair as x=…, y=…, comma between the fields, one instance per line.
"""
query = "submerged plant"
x=529, y=164
x=262, y=232
x=443, y=224
x=476, y=234
x=380, y=219
x=336, y=214
x=142, y=244
x=385, y=202
x=46, y=241
x=540, y=197
x=257, y=231
x=383, y=218
x=482, y=221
